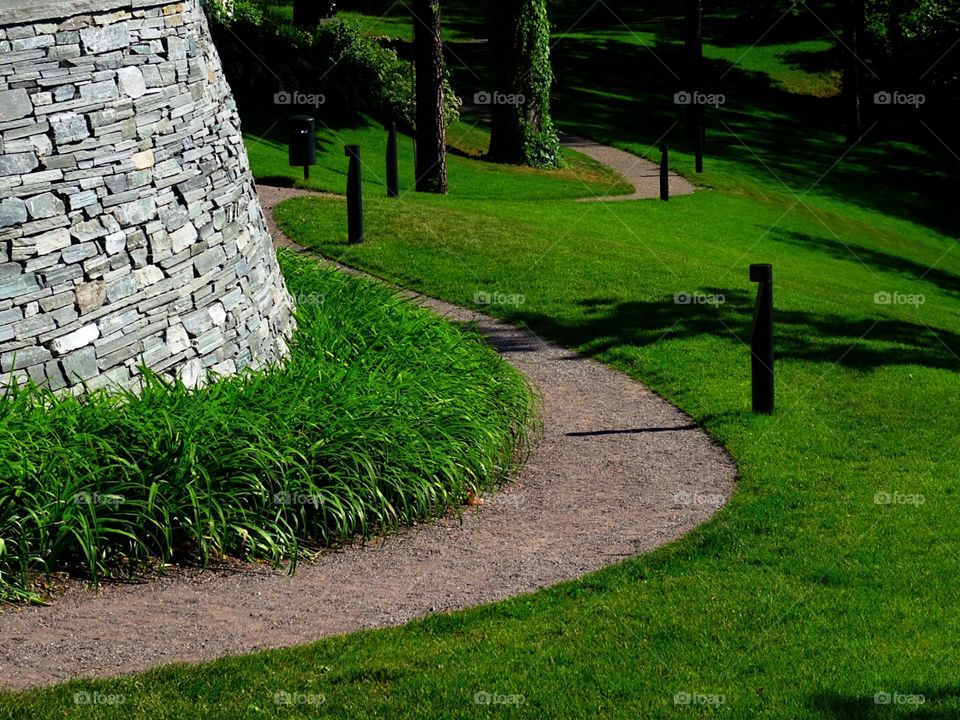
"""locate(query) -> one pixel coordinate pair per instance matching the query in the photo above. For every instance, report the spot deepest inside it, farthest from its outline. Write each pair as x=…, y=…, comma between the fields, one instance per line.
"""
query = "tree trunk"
x=308, y=13
x=694, y=61
x=895, y=30
x=522, y=131
x=431, y=155
x=853, y=29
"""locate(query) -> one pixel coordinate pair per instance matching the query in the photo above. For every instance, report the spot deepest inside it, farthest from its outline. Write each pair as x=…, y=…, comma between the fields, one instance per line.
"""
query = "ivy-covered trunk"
x=522, y=130
x=431, y=156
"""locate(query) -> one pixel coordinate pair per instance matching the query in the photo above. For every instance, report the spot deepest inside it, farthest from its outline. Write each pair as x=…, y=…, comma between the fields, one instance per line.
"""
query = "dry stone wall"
x=130, y=230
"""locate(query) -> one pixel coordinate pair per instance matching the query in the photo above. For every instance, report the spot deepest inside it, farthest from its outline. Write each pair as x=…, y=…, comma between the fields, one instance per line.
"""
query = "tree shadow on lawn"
x=867, y=708
x=873, y=259
x=622, y=93
x=862, y=343
x=731, y=22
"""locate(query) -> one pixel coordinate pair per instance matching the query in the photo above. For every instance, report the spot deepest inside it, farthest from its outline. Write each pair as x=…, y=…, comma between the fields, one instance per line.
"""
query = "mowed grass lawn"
x=825, y=589
x=829, y=578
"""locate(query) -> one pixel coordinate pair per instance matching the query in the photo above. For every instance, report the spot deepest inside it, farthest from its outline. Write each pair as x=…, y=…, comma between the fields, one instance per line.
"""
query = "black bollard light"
x=393, y=182
x=354, y=196
x=762, y=350
x=664, y=173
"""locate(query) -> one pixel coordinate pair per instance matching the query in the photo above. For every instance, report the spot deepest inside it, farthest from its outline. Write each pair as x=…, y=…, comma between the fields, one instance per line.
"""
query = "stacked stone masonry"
x=130, y=227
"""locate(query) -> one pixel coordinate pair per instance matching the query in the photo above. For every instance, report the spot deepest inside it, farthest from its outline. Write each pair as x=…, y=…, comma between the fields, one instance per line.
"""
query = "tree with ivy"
x=522, y=131
x=431, y=153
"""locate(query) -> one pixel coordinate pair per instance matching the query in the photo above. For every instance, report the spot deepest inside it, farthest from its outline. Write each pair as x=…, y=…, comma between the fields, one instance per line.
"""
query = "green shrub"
x=384, y=415
x=355, y=72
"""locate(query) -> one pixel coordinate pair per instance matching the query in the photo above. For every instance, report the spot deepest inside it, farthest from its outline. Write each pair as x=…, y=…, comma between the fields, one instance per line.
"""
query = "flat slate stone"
x=69, y=127
x=23, y=358
x=13, y=211
x=102, y=39
x=44, y=206
x=20, y=285
x=75, y=340
x=80, y=365
x=99, y=91
x=14, y=104
x=18, y=163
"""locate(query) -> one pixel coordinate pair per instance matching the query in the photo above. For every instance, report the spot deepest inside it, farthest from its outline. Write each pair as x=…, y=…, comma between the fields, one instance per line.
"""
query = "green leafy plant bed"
x=384, y=415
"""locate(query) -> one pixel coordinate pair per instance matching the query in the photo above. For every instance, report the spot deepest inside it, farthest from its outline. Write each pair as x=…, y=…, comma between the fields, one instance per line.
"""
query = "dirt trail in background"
x=617, y=472
x=642, y=174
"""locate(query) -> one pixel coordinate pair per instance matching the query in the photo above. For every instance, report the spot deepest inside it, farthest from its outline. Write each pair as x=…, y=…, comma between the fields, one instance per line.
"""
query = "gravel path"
x=642, y=174
x=617, y=472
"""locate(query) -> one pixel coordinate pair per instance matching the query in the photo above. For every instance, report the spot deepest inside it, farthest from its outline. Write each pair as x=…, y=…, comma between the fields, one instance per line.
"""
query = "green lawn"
x=829, y=581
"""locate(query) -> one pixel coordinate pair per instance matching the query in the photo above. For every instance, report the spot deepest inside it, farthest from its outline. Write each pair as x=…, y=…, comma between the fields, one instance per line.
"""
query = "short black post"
x=699, y=143
x=393, y=188
x=664, y=173
x=763, y=340
x=354, y=196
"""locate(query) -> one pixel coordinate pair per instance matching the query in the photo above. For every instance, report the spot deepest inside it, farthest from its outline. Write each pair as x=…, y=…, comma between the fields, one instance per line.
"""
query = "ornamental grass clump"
x=384, y=415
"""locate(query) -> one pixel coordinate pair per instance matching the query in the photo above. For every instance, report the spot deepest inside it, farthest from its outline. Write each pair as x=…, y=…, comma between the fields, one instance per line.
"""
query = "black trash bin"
x=307, y=14
x=302, y=143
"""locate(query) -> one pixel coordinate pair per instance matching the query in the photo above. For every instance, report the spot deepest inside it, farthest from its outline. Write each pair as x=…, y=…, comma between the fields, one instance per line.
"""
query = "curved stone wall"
x=131, y=231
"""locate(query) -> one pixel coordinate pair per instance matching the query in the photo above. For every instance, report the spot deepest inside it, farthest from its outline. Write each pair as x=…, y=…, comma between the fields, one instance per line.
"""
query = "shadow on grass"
x=872, y=259
x=860, y=343
x=908, y=707
x=279, y=181
x=615, y=91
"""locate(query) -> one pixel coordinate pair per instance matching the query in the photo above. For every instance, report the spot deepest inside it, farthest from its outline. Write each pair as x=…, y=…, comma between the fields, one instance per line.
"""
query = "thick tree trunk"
x=693, y=41
x=431, y=157
x=895, y=31
x=693, y=79
x=522, y=131
x=308, y=13
x=853, y=31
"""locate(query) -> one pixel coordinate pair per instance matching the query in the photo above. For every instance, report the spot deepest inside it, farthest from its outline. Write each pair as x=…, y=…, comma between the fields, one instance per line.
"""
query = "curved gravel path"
x=617, y=472
x=642, y=174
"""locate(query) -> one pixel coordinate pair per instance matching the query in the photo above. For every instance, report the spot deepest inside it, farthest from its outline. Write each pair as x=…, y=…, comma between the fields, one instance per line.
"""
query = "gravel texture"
x=617, y=471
